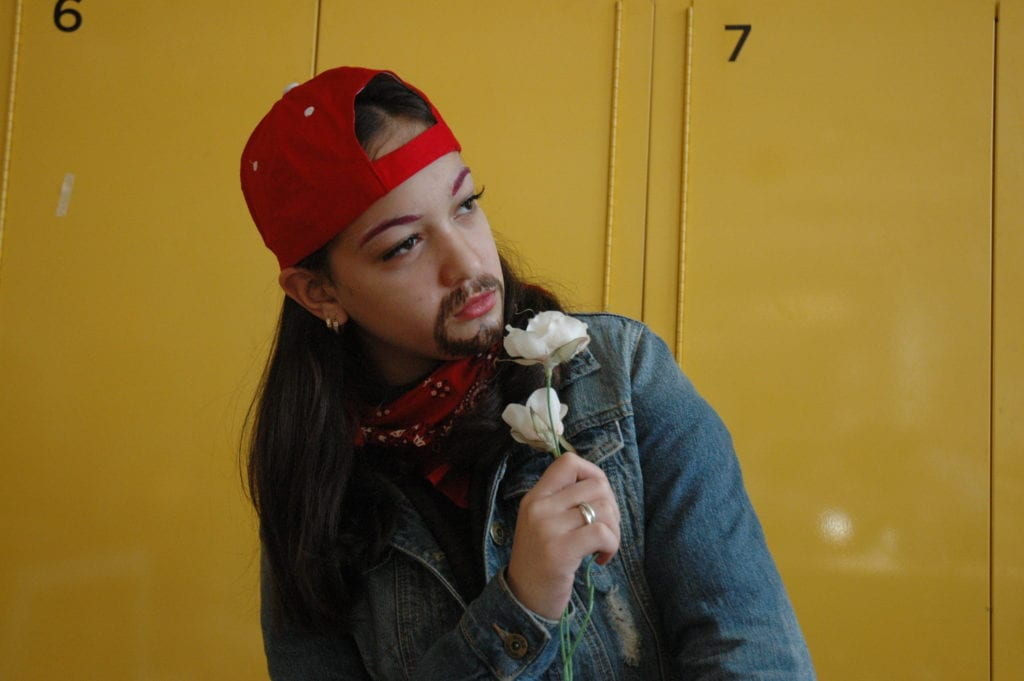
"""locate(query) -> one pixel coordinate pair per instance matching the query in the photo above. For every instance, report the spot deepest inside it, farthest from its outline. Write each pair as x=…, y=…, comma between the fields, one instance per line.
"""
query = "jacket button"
x=516, y=646
x=498, y=533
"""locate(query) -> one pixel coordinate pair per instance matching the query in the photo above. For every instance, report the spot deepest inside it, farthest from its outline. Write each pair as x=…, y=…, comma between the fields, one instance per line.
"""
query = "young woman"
x=405, y=535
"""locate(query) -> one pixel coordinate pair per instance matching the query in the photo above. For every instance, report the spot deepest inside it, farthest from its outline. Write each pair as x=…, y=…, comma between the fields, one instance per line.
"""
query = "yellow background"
x=827, y=229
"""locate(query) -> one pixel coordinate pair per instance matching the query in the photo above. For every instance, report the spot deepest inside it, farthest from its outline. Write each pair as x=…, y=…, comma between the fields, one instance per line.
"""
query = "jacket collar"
x=576, y=368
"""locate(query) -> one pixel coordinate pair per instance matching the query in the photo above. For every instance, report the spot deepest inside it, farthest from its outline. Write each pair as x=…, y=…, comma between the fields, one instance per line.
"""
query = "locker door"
x=1008, y=352
x=135, y=305
x=550, y=102
x=837, y=310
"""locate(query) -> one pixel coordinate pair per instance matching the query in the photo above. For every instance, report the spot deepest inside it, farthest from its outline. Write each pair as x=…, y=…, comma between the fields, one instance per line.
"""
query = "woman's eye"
x=403, y=246
x=470, y=203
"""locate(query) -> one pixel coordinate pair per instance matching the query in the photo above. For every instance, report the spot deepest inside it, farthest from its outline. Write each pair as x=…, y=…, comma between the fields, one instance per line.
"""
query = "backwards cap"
x=304, y=174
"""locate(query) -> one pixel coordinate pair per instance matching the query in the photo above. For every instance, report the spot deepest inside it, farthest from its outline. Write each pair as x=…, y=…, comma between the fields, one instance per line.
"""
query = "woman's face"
x=418, y=273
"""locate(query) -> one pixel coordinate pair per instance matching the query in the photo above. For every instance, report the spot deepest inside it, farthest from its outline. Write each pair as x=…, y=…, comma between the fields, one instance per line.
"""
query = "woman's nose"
x=459, y=260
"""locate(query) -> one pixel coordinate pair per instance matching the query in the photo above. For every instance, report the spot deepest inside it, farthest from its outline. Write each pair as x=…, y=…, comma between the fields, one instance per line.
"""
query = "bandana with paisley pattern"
x=421, y=418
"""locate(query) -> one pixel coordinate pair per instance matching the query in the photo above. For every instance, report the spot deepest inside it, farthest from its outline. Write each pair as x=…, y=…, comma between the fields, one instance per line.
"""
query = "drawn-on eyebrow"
x=458, y=180
x=401, y=220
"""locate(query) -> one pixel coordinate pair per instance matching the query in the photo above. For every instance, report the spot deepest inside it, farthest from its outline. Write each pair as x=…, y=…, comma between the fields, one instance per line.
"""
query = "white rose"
x=550, y=338
x=532, y=423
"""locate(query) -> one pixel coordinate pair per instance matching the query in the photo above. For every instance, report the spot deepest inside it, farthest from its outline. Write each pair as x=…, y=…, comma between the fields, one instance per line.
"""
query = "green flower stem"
x=556, y=447
x=566, y=660
x=567, y=646
x=590, y=606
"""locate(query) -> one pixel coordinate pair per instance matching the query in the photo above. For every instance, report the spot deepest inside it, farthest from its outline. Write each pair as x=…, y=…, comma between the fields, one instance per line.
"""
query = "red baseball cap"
x=305, y=176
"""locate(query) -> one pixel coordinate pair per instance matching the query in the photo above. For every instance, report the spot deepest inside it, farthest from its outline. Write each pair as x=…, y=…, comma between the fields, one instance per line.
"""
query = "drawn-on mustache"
x=454, y=301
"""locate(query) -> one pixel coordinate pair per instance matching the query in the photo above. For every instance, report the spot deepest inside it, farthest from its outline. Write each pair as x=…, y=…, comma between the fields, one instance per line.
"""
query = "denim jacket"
x=692, y=593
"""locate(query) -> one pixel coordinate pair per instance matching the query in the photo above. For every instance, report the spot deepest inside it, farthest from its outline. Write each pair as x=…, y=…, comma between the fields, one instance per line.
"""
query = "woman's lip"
x=477, y=306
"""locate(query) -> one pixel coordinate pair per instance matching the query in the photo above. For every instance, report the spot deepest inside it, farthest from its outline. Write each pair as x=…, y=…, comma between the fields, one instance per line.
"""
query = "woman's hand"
x=552, y=537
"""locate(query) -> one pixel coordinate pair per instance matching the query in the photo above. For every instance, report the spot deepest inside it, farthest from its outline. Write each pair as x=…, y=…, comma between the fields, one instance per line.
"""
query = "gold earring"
x=333, y=324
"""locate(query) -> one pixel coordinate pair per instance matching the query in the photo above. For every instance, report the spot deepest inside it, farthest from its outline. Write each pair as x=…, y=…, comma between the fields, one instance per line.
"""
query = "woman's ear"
x=313, y=292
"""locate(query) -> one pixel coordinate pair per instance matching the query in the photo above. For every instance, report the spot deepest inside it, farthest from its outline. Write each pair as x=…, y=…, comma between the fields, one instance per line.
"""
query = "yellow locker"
x=836, y=309
x=1008, y=352
x=550, y=102
x=135, y=308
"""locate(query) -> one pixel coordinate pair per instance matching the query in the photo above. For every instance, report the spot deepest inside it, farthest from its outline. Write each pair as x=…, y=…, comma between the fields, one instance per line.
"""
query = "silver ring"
x=589, y=514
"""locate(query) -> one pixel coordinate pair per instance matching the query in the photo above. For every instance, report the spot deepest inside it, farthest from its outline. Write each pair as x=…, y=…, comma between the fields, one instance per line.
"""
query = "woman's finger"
x=597, y=538
x=595, y=492
x=566, y=470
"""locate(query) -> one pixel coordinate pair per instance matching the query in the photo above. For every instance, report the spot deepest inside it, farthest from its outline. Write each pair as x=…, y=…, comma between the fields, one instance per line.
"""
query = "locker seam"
x=684, y=188
x=645, y=238
x=613, y=141
x=317, y=6
x=9, y=127
x=992, y=350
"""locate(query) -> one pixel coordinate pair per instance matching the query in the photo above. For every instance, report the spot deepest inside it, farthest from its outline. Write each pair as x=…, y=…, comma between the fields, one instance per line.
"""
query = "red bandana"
x=424, y=415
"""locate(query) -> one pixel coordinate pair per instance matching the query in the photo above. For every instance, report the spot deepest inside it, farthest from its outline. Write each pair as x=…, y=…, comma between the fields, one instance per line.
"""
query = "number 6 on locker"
x=60, y=12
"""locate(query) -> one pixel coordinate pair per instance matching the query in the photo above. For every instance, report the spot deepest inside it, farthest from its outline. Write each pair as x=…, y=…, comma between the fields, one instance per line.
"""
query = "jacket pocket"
x=598, y=443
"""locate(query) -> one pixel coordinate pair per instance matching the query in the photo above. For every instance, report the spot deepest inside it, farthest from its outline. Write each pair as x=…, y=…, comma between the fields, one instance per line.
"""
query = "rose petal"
x=569, y=350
